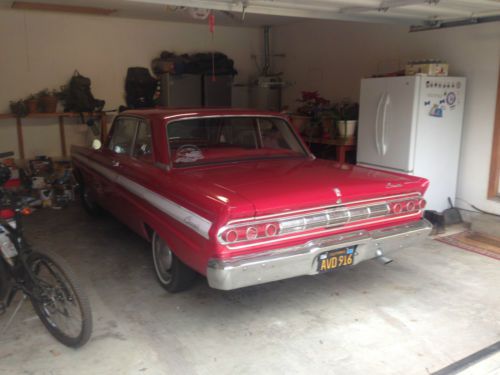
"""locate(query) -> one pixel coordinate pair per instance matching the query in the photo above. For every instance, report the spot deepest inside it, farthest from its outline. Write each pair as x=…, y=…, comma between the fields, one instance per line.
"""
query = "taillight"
x=328, y=219
x=410, y=206
x=406, y=206
x=396, y=208
x=231, y=236
x=422, y=203
x=250, y=232
x=272, y=229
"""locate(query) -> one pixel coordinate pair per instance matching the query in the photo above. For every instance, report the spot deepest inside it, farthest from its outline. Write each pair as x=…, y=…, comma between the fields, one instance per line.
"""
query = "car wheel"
x=172, y=274
x=88, y=201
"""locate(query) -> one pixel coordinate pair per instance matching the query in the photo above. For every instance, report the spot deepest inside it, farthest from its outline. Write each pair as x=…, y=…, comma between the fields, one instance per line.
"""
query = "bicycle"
x=43, y=277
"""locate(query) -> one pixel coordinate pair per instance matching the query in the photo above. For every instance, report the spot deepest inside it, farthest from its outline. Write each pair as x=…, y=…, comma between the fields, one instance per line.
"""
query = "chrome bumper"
x=301, y=260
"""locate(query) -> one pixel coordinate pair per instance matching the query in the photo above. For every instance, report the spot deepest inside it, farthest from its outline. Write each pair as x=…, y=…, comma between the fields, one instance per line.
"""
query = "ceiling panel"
x=274, y=12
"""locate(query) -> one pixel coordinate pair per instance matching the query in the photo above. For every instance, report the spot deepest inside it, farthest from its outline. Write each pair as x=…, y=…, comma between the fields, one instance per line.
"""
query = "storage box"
x=430, y=69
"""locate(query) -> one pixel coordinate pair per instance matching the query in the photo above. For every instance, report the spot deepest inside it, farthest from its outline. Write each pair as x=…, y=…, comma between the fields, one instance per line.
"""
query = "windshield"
x=226, y=139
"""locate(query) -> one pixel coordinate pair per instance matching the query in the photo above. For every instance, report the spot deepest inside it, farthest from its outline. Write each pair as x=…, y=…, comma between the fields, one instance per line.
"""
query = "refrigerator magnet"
x=451, y=98
x=436, y=111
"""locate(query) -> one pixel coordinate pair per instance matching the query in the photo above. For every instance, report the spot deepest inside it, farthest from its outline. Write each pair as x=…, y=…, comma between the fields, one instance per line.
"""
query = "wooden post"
x=20, y=141
x=493, y=185
x=61, y=134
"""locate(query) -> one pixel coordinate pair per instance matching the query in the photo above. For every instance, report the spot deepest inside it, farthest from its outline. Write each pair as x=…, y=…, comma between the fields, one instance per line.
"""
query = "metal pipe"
x=381, y=258
x=267, y=51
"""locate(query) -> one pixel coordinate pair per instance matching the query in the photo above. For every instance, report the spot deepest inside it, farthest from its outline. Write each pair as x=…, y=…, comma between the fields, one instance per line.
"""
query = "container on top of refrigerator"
x=427, y=67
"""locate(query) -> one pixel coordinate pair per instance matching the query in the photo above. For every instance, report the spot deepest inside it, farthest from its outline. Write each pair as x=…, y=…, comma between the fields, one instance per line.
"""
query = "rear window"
x=226, y=139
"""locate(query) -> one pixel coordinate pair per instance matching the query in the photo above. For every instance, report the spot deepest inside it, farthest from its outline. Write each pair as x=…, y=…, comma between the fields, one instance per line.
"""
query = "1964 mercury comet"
x=237, y=196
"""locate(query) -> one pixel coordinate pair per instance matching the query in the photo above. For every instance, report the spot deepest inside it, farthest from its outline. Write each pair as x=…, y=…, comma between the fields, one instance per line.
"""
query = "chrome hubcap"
x=162, y=256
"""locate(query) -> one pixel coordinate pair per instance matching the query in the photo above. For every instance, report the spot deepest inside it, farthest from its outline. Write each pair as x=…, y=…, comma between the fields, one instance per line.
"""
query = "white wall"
x=41, y=50
x=332, y=57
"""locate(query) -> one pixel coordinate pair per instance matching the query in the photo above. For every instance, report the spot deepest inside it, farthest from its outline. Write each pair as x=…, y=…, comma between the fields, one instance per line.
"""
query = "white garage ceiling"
x=260, y=12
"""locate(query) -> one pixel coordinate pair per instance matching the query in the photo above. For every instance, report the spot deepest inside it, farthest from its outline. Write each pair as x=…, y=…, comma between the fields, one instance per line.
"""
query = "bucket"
x=346, y=129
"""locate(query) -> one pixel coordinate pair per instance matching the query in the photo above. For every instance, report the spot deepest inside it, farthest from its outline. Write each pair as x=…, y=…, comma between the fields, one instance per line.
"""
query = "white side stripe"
x=172, y=209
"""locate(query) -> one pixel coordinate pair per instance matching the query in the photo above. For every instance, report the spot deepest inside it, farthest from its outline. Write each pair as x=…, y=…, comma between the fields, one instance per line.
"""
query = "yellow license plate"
x=337, y=258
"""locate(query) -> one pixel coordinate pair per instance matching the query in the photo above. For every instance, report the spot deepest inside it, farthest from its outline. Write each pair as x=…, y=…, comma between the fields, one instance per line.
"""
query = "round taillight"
x=252, y=233
x=397, y=208
x=231, y=236
x=410, y=206
x=271, y=230
x=422, y=203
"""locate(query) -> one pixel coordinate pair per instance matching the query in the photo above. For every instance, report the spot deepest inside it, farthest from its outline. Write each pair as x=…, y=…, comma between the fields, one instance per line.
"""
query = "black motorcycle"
x=43, y=277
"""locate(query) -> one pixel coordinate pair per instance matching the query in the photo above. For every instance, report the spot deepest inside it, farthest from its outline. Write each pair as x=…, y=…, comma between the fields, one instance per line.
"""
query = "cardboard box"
x=430, y=69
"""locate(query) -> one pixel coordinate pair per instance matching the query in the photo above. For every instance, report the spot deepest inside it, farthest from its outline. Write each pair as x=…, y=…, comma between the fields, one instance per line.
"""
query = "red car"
x=237, y=196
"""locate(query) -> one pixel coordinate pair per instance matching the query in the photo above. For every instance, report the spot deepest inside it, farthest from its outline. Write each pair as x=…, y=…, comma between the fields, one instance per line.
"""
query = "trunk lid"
x=275, y=186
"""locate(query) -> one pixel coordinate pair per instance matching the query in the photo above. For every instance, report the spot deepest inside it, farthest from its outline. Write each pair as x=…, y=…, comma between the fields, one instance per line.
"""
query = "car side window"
x=122, y=136
x=143, y=146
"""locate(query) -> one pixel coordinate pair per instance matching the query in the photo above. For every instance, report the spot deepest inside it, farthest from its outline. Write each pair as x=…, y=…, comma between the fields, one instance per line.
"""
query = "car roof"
x=169, y=113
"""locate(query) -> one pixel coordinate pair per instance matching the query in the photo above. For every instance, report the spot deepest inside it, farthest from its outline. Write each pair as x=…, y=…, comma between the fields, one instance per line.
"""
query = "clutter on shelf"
x=208, y=63
x=141, y=88
x=43, y=182
x=428, y=67
x=316, y=117
x=77, y=97
x=45, y=101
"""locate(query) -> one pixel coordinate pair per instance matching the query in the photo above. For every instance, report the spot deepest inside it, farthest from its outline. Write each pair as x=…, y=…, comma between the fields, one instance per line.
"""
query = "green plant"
x=312, y=104
x=30, y=97
x=345, y=110
x=42, y=93
x=55, y=93
x=18, y=108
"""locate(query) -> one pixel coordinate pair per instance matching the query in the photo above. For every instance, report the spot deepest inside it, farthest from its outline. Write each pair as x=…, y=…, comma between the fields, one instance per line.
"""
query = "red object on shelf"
x=7, y=213
x=12, y=183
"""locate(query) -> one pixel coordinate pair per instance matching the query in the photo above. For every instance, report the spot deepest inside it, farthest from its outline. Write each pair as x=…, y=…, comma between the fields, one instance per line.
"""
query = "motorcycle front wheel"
x=59, y=299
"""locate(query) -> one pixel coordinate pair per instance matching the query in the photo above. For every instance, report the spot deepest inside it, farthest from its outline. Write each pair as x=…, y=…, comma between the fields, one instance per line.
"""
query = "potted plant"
x=31, y=103
x=19, y=108
x=308, y=117
x=346, y=114
x=48, y=100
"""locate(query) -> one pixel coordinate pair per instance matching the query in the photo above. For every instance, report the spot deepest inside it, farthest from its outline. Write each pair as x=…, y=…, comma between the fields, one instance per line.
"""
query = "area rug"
x=476, y=243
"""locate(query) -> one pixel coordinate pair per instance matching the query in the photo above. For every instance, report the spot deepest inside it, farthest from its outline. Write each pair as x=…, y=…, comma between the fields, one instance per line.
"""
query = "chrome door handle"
x=115, y=163
x=377, y=123
x=384, y=123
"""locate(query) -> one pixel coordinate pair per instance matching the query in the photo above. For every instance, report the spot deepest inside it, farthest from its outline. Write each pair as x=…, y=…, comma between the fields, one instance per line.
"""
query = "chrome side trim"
x=254, y=269
x=192, y=220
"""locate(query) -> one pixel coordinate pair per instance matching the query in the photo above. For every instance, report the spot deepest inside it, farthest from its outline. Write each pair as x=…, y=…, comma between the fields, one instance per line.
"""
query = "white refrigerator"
x=413, y=125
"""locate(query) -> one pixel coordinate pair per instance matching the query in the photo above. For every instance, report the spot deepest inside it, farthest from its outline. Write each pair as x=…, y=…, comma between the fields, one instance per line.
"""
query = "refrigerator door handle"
x=387, y=101
x=377, y=123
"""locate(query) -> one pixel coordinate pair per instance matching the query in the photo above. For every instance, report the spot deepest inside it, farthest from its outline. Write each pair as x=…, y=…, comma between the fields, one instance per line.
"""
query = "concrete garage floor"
x=431, y=307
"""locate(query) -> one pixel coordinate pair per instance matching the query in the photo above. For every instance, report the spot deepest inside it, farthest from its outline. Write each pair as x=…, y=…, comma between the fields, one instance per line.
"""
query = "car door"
x=137, y=173
x=112, y=156
x=105, y=159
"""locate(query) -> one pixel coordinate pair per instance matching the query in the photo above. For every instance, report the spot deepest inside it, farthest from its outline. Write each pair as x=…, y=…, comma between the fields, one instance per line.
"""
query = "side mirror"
x=96, y=144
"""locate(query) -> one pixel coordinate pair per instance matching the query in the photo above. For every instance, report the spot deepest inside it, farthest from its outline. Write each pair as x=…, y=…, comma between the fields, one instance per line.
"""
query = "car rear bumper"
x=301, y=260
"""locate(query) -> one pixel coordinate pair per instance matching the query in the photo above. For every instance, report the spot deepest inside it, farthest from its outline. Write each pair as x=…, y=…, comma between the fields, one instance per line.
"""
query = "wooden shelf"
x=342, y=145
x=60, y=116
x=333, y=142
x=50, y=115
